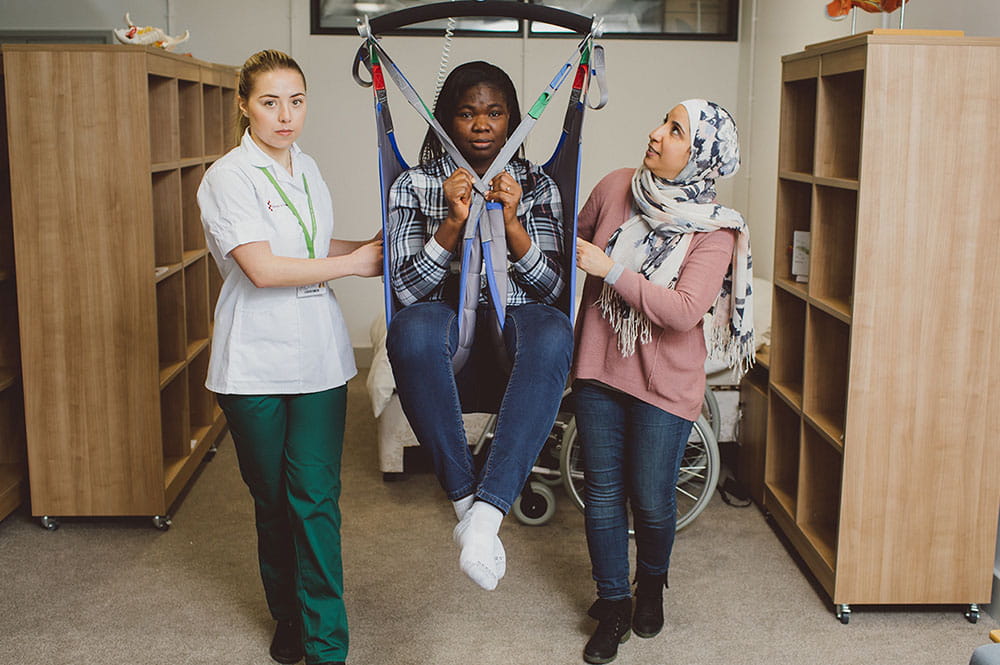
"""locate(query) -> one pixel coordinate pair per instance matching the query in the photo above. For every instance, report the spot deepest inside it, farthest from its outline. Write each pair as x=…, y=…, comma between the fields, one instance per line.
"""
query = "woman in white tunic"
x=281, y=354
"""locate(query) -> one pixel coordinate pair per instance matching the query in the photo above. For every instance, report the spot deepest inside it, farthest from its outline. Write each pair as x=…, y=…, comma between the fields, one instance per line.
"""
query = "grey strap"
x=599, y=73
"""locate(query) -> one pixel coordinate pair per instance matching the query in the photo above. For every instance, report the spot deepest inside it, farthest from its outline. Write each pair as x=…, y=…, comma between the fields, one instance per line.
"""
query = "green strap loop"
x=291, y=206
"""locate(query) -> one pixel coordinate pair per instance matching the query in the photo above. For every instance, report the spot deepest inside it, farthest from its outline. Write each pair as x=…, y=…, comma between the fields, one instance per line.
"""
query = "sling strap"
x=484, y=240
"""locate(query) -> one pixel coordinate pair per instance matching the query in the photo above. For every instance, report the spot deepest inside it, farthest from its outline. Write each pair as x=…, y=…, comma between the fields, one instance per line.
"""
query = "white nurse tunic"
x=270, y=341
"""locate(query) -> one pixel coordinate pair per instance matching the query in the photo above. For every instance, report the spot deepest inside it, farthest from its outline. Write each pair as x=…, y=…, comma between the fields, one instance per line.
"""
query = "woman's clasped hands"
x=505, y=190
x=458, y=188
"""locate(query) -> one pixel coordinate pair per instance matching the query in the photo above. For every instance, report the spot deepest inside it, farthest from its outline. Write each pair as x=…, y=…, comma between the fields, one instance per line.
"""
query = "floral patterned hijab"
x=654, y=242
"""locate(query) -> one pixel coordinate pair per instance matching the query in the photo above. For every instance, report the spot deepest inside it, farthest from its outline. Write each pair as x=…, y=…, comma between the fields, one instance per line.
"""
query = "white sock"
x=499, y=558
x=477, y=535
x=462, y=506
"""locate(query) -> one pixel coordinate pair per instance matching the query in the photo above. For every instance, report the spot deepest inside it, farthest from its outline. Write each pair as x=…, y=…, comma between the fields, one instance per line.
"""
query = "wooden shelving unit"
x=115, y=333
x=753, y=426
x=881, y=463
x=13, y=471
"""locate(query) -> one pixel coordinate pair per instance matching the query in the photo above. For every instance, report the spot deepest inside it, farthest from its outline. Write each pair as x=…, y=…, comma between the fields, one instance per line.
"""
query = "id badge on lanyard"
x=310, y=290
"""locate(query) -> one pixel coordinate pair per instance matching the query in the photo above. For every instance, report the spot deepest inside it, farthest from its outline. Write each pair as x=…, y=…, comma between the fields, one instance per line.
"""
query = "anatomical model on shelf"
x=842, y=7
x=148, y=36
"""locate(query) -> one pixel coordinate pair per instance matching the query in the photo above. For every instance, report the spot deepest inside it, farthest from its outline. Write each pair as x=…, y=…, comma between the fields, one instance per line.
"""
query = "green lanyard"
x=291, y=206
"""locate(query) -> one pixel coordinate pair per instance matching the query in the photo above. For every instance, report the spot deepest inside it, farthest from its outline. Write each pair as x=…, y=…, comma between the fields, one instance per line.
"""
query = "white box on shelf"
x=800, y=256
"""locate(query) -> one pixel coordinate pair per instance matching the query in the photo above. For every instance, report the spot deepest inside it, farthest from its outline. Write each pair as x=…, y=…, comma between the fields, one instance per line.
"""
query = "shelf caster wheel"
x=536, y=504
x=210, y=453
x=844, y=613
x=162, y=522
x=49, y=523
x=972, y=614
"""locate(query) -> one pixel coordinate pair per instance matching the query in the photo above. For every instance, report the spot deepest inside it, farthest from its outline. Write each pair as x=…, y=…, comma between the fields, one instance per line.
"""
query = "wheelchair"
x=559, y=464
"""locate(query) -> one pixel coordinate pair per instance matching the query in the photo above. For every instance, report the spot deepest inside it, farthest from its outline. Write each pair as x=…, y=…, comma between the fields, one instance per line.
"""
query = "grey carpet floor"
x=117, y=591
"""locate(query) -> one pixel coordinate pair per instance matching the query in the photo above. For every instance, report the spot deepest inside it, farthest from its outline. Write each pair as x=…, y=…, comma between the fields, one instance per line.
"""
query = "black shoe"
x=648, y=618
x=612, y=630
x=600, y=608
x=286, y=645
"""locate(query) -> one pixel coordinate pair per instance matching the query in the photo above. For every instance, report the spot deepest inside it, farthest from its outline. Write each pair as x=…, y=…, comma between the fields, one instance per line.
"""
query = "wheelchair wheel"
x=693, y=463
x=535, y=505
x=546, y=469
x=698, y=477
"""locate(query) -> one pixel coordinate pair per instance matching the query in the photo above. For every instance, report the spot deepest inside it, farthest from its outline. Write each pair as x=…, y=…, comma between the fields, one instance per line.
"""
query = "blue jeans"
x=539, y=341
x=631, y=451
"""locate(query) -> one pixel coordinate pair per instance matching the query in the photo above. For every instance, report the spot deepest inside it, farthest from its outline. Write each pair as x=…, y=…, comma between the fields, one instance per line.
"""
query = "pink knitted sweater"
x=669, y=371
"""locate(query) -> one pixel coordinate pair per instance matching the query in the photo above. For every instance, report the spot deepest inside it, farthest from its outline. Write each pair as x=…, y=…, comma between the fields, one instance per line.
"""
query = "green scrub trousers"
x=289, y=449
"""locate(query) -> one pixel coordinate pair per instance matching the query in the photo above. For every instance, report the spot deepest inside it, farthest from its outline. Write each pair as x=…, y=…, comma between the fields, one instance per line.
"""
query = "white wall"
x=79, y=15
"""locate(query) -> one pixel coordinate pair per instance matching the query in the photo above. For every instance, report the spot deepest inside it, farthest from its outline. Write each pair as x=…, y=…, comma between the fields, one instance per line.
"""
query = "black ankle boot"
x=286, y=645
x=648, y=618
x=612, y=630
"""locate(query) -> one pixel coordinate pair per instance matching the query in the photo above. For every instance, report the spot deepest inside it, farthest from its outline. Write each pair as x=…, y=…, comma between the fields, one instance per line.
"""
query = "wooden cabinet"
x=13, y=472
x=753, y=427
x=882, y=466
x=107, y=146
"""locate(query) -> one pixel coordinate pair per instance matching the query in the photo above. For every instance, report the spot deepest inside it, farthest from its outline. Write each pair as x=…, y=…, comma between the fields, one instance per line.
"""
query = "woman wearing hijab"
x=659, y=254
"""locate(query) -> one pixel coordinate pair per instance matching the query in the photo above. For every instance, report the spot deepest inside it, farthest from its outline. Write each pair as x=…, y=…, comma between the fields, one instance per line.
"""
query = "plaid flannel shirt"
x=420, y=267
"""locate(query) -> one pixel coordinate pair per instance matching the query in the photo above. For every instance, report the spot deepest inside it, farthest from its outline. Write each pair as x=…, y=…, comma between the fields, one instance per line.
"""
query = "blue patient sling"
x=485, y=240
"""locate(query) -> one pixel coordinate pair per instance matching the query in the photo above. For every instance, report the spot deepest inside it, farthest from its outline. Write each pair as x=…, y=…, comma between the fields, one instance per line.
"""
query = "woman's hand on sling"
x=458, y=195
x=592, y=260
x=367, y=259
x=506, y=190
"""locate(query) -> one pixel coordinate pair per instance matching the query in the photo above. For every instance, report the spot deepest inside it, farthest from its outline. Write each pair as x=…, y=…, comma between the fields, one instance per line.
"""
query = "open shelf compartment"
x=175, y=422
x=12, y=449
x=6, y=217
x=212, y=108
x=190, y=119
x=10, y=352
x=164, y=134
x=826, y=370
x=819, y=495
x=13, y=467
x=781, y=460
x=229, y=114
x=168, y=248
x=202, y=401
x=171, y=326
x=192, y=232
x=788, y=332
x=798, y=125
x=196, y=299
x=838, y=130
x=793, y=214
x=831, y=274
